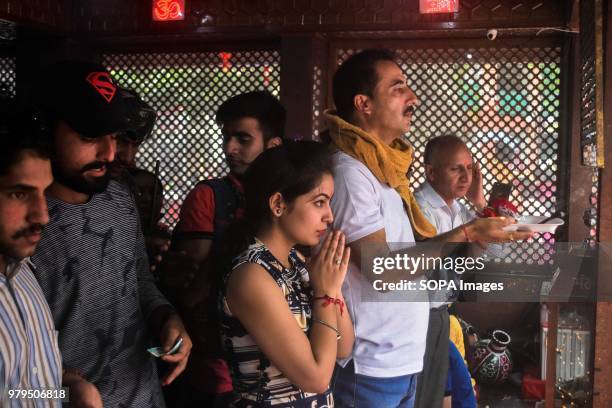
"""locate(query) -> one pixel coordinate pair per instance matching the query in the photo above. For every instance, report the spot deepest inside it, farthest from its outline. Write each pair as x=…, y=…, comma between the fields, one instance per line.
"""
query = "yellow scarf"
x=388, y=163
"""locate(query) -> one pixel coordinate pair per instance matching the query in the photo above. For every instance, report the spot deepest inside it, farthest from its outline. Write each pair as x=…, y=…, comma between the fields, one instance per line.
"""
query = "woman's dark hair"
x=292, y=169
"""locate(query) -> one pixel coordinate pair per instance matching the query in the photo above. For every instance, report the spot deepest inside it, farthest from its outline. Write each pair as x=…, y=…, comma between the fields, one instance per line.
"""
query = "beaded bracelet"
x=338, y=335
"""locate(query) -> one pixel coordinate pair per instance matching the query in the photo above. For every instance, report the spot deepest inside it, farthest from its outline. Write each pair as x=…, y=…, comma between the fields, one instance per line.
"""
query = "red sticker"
x=103, y=84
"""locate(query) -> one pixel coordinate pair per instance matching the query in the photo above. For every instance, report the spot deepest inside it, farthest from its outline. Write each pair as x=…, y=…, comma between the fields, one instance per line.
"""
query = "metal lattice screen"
x=317, y=108
x=590, y=103
x=504, y=103
x=592, y=220
x=7, y=77
x=186, y=89
x=590, y=83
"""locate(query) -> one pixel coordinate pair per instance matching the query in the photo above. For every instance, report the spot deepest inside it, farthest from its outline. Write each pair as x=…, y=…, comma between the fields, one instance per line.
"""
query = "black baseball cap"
x=84, y=95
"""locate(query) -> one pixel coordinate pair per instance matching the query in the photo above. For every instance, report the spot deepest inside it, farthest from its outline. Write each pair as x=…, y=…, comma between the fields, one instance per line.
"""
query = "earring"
x=278, y=212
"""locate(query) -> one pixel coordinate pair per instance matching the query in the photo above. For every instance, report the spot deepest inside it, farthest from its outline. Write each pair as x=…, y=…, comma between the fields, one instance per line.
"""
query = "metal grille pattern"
x=8, y=30
x=589, y=126
x=7, y=77
x=186, y=89
x=504, y=103
x=592, y=216
x=588, y=84
x=317, y=113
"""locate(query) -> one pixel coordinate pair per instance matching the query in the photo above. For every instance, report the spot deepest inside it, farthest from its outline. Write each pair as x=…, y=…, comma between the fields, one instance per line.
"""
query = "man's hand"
x=475, y=194
x=83, y=394
x=171, y=331
x=483, y=230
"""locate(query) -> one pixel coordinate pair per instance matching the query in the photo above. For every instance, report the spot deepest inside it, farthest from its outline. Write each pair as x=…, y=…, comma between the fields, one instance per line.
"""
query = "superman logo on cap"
x=103, y=84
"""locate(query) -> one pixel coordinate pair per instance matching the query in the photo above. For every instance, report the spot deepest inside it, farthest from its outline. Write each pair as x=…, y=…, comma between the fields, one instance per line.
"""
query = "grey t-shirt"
x=92, y=267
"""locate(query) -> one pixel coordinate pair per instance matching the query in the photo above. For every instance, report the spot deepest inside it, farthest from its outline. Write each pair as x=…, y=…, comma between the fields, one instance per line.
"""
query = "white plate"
x=530, y=223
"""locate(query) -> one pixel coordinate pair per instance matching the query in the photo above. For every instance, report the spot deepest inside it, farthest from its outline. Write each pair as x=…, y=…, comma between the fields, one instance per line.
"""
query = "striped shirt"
x=29, y=353
x=92, y=267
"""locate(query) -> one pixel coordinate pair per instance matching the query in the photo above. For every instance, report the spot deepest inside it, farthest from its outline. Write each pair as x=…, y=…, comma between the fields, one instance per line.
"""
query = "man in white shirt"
x=373, y=206
x=450, y=174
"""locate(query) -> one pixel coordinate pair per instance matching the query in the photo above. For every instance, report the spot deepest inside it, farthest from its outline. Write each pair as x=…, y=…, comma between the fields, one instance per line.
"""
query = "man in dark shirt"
x=91, y=261
x=251, y=123
x=146, y=187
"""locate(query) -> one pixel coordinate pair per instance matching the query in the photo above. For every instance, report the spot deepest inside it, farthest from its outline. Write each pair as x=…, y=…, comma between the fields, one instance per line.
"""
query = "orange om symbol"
x=167, y=10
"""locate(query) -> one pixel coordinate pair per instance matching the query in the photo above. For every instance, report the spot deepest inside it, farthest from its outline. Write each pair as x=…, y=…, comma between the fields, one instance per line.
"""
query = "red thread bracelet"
x=328, y=300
